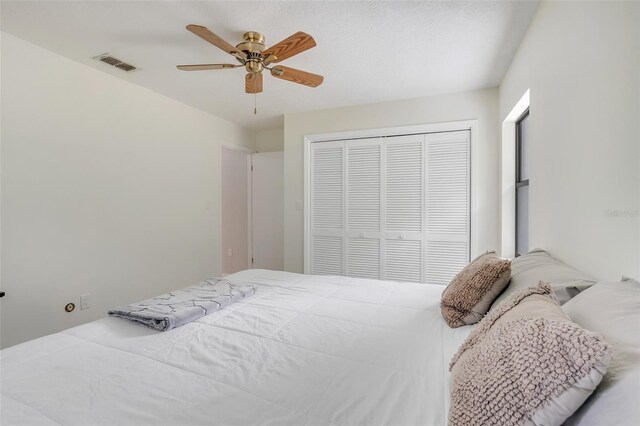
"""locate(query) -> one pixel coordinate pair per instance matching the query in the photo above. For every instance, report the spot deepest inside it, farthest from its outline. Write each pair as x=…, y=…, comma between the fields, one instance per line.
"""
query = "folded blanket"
x=180, y=307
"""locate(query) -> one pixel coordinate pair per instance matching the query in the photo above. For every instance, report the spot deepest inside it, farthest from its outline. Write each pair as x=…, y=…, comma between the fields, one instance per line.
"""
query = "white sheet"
x=303, y=350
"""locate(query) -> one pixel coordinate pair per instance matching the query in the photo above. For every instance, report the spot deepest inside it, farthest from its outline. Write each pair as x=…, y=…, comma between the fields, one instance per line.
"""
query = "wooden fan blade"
x=205, y=34
x=253, y=83
x=292, y=45
x=203, y=67
x=297, y=76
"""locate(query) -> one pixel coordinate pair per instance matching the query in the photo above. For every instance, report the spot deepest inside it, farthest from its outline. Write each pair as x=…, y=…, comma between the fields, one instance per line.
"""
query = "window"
x=522, y=184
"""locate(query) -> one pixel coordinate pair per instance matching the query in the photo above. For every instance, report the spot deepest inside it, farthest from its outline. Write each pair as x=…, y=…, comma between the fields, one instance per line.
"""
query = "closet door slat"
x=403, y=260
x=404, y=169
x=363, y=185
x=327, y=186
x=327, y=255
x=363, y=257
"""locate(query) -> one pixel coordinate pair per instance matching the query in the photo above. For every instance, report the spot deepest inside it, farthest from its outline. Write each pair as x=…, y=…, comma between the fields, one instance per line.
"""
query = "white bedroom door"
x=235, y=197
x=394, y=208
x=268, y=210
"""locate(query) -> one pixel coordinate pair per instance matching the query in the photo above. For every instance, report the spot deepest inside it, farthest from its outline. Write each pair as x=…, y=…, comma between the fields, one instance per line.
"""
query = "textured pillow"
x=612, y=309
x=528, y=270
x=470, y=294
x=525, y=363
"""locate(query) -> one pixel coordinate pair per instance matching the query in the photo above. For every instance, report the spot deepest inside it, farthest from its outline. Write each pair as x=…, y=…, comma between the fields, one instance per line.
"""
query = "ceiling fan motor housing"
x=252, y=41
x=253, y=45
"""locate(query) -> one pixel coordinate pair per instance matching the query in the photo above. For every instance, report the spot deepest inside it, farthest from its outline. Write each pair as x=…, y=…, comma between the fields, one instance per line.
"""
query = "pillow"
x=470, y=294
x=612, y=404
x=612, y=309
x=525, y=363
x=528, y=270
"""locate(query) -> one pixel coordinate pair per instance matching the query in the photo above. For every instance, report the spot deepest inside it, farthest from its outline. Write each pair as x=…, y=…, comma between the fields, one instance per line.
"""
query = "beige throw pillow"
x=469, y=295
x=526, y=363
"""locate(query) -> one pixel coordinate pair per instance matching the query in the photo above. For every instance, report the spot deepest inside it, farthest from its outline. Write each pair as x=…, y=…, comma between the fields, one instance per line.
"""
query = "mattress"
x=304, y=350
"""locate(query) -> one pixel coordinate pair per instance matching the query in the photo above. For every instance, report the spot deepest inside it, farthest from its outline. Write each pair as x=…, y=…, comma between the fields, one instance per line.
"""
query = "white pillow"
x=612, y=309
x=538, y=265
x=612, y=404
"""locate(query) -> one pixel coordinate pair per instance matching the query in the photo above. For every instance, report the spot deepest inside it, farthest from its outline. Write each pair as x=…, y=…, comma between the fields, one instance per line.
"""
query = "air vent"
x=114, y=62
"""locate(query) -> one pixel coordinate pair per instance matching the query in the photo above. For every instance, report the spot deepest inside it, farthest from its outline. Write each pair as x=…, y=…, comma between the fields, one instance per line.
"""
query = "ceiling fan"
x=253, y=55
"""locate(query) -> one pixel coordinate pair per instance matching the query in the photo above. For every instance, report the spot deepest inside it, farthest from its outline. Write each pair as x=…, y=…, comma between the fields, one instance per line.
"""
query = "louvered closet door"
x=447, y=205
x=404, y=208
x=394, y=208
x=327, y=193
x=363, y=207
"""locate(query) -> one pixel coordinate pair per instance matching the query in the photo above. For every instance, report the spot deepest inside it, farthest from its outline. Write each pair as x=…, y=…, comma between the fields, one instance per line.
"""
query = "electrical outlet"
x=84, y=301
x=229, y=252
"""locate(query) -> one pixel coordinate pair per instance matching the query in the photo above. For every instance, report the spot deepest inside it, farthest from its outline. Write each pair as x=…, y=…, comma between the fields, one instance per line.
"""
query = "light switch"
x=229, y=252
x=299, y=205
x=84, y=301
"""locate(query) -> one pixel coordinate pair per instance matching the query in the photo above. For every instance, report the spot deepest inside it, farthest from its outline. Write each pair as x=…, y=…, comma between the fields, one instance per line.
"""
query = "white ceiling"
x=367, y=51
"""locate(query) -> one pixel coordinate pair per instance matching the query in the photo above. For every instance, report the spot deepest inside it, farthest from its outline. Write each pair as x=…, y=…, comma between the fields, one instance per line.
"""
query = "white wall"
x=270, y=140
x=581, y=61
x=481, y=105
x=107, y=188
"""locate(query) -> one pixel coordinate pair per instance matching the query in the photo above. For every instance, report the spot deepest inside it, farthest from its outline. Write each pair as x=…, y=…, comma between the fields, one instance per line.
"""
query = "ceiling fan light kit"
x=253, y=55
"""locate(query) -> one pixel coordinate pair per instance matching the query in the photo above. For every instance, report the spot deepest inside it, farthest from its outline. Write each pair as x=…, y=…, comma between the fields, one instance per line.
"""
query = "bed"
x=303, y=350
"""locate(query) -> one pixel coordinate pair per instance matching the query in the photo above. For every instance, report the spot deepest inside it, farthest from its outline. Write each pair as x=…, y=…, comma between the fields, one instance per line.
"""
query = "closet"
x=395, y=208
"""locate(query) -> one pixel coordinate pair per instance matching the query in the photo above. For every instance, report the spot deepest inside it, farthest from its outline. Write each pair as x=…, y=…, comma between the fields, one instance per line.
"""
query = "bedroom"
x=112, y=193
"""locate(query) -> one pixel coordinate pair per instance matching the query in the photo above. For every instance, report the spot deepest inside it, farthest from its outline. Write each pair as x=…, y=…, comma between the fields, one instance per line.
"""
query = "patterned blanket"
x=180, y=307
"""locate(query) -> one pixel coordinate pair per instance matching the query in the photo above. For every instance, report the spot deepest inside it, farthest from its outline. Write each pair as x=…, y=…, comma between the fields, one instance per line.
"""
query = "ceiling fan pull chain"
x=255, y=103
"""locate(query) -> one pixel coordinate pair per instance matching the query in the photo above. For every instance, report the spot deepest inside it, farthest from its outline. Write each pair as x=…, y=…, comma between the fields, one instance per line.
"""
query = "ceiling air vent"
x=114, y=62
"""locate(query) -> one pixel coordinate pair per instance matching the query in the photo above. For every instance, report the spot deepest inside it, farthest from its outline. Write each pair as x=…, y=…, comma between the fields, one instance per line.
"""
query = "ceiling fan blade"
x=292, y=45
x=204, y=33
x=297, y=76
x=253, y=83
x=204, y=67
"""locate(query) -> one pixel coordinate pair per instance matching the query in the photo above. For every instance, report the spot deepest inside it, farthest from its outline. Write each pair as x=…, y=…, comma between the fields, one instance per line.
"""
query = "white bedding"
x=303, y=350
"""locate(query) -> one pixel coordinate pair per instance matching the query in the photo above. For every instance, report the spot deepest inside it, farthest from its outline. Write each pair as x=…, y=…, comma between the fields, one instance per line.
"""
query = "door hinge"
x=252, y=260
x=252, y=167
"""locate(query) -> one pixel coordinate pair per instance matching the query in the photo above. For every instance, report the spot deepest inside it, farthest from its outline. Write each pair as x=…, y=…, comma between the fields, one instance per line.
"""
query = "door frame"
x=471, y=125
x=249, y=153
